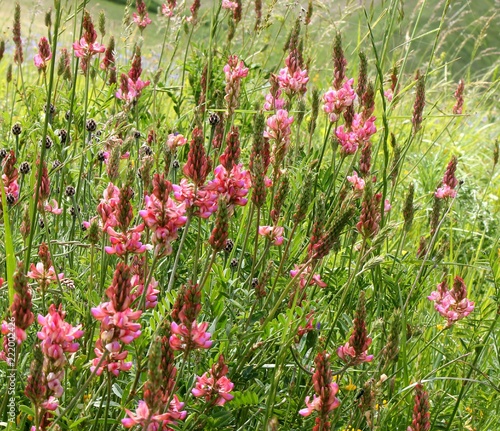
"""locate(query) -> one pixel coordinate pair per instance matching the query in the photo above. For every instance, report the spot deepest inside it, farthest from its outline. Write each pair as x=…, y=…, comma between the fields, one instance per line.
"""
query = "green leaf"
x=27, y=410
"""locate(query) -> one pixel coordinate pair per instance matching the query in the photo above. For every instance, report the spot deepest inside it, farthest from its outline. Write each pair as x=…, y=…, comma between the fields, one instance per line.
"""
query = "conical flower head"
x=421, y=416
x=198, y=164
x=221, y=230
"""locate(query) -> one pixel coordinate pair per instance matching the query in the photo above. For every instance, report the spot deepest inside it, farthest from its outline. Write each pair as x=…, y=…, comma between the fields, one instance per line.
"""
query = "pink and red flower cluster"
x=214, y=386
x=452, y=304
x=118, y=324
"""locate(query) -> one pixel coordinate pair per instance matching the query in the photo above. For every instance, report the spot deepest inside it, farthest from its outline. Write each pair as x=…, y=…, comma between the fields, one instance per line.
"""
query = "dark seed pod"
x=48, y=142
x=146, y=150
x=68, y=283
x=10, y=199
x=228, y=247
x=63, y=135
x=137, y=134
x=70, y=191
x=3, y=154
x=176, y=164
x=234, y=263
x=213, y=119
x=16, y=129
x=91, y=125
x=24, y=168
x=73, y=212
x=56, y=164
x=52, y=109
x=101, y=156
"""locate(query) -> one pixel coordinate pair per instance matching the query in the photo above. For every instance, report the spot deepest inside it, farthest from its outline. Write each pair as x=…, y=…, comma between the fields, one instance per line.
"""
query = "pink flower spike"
x=274, y=233
x=357, y=182
x=44, y=54
x=387, y=206
x=196, y=337
x=53, y=207
x=311, y=406
x=227, y=4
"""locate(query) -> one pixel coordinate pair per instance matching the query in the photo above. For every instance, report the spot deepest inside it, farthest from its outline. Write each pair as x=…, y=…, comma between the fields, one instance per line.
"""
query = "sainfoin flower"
x=205, y=200
x=231, y=5
x=421, y=416
x=357, y=182
x=87, y=46
x=233, y=185
x=167, y=9
x=175, y=140
x=234, y=71
x=274, y=102
x=274, y=233
x=292, y=79
x=163, y=215
x=130, y=90
x=44, y=54
x=118, y=326
x=20, y=310
x=326, y=390
x=304, y=275
x=214, y=386
x=156, y=422
x=452, y=304
x=10, y=177
x=84, y=49
x=279, y=131
x=125, y=243
x=447, y=189
x=58, y=337
x=44, y=276
x=336, y=101
x=188, y=338
x=355, y=350
x=141, y=18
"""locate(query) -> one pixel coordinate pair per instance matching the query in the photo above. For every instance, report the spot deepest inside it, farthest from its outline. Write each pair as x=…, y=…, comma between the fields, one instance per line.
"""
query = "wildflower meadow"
x=249, y=215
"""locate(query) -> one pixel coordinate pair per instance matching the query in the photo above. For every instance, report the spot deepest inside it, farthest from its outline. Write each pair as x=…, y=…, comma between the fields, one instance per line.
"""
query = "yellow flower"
x=350, y=387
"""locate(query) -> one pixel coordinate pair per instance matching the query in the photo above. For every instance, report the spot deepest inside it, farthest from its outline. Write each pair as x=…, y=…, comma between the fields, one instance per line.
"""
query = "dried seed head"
x=68, y=283
x=213, y=119
x=52, y=109
x=228, y=247
x=102, y=23
x=101, y=156
x=48, y=142
x=24, y=168
x=16, y=129
x=91, y=125
x=63, y=135
x=363, y=75
x=146, y=150
x=459, y=97
x=409, y=209
x=418, y=106
x=11, y=199
x=70, y=191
